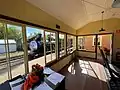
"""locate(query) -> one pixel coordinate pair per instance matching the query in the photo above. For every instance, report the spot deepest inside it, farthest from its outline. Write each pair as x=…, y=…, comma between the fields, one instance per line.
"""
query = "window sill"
x=49, y=64
x=86, y=51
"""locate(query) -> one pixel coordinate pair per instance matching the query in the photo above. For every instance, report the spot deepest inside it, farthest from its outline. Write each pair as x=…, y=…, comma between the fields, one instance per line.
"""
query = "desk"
x=59, y=86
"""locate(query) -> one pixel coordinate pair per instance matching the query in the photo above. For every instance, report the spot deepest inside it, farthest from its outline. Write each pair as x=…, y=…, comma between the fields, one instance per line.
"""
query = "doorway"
x=88, y=45
x=104, y=41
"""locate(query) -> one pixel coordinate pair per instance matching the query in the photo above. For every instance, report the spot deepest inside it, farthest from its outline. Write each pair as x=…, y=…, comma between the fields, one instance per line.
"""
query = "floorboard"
x=85, y=75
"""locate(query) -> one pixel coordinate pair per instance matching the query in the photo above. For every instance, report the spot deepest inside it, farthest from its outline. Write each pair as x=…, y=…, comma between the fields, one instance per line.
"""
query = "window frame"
x=50, y=31
x=73, y=43
x=83, y=41
x=85, y=50
x=6, y=22
x=99, y=40
x=65, y=53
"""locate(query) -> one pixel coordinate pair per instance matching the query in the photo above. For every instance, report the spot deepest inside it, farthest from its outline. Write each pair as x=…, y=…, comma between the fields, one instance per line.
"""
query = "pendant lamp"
x=102, y=29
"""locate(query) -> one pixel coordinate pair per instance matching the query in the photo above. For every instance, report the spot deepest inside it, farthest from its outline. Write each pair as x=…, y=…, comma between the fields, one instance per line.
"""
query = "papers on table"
x=18, y=87
x=16, y=84
x=50, y=82
x=43, y=86
x=55, y=78
x=48, y=71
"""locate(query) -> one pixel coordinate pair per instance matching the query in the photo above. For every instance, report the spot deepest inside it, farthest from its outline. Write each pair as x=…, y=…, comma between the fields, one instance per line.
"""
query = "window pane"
x=61, y=45
x=16, y=52
x=53, y=44
x=48, y=46
x=35, y=41
x=3, y=60
x=86, y=43
x=69, y=44
x=81, y=41
x=74, y=43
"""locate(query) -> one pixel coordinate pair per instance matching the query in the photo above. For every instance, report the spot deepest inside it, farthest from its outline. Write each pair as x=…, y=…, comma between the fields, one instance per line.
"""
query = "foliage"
x=13, y=33
x=1, y=31
x=16, y=34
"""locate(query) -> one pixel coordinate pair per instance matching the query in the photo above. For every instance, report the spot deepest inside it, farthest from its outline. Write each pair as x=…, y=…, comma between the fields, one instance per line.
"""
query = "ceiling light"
x=116, y=4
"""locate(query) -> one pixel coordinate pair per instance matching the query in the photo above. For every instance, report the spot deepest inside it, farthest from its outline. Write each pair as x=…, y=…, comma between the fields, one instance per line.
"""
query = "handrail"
x=111, y=71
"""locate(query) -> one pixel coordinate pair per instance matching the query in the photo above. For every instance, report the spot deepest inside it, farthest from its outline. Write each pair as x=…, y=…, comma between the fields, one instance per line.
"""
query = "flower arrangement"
x=34, y=78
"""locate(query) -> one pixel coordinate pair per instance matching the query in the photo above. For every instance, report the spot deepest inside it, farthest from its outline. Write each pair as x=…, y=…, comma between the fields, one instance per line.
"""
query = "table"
x=53, y=81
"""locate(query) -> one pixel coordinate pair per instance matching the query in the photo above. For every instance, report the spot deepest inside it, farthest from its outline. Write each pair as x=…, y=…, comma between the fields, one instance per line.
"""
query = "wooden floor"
x=85, y=75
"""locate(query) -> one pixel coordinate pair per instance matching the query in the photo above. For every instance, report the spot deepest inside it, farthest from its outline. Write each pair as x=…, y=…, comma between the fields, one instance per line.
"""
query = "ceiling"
x=77, y=13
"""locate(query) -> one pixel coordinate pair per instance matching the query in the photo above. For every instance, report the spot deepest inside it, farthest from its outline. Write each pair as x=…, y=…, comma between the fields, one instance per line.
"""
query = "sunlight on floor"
x=93, y=69
x=71, y=69
x=89, y=68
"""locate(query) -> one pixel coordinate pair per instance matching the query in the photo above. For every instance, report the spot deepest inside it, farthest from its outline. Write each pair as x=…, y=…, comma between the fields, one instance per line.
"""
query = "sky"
x=30, y=30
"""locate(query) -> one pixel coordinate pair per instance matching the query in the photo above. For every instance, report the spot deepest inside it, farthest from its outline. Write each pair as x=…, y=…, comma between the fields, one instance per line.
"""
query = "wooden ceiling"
x=77, y=13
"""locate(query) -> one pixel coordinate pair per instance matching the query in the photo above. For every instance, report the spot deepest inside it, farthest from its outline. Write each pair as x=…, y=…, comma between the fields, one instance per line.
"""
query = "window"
x=15, y=49
x=35, y=42
x=50, y=46
x=99, y=41
x=86, y=43
x=81, y=41
x=11, y=51
x=53, y=45
x=74, y=43
x=62, y=45
x=71, y=43
x=3, y=55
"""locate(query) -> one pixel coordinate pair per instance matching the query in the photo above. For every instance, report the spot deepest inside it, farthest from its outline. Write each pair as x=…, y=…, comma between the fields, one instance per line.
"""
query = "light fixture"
x=116, y=4
x=102, y=29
